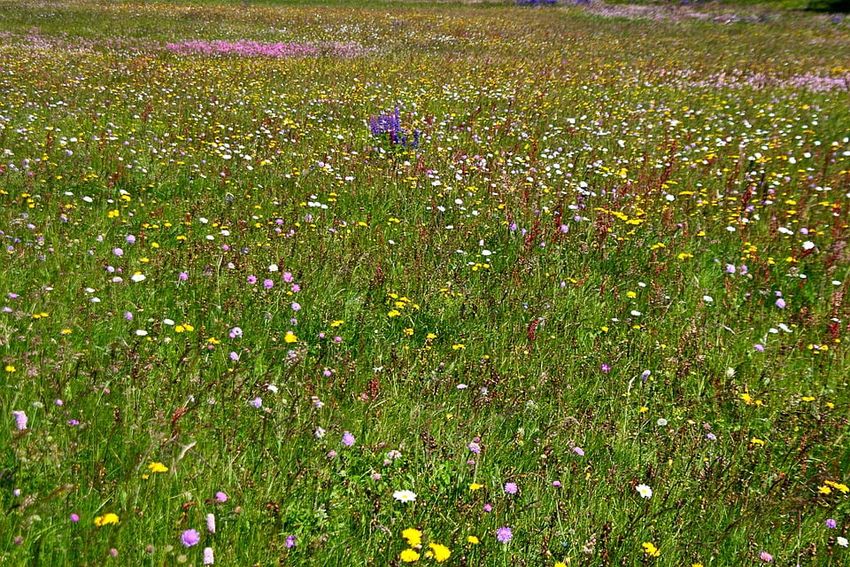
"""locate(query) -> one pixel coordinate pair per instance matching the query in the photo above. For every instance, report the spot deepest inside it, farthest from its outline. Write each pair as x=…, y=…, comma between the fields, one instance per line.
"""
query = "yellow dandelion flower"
x=440, y=552
x=473, y=540
x=651, y=550
x=409, y=556
x=290, y=337
x=412, y=536
x=106, y=519
x=157, y=467
x=475, y=486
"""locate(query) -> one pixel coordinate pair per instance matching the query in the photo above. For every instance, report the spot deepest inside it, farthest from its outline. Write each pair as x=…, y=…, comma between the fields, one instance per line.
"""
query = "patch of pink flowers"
x=249, y=48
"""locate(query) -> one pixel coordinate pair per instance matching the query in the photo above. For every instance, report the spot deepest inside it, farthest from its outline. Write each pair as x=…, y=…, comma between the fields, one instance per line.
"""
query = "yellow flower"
x=560, y=564
x=337, y=323
x=412, y=536
x=825, y=490
x=473, y=540
x=10, y=368
x=409, y=556
x=838, y=486
x=66, y=331
x=756, y=441
x=394, y=313
x=157, y=467
x=475, y=486
x=696, y=565
x=106, y=519
x=441, y=552
x=651, y=550
x=290, y=337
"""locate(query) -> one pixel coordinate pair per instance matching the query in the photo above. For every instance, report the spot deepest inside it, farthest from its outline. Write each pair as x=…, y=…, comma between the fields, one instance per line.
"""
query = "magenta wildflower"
x=348, y=439
x=21, y=419
x=605, y=368
x=766, y=557
x=290, y=541
x=221, y=497
x=831, y=523
x=190, y=538
x=474, y=447
x=780, y=303
x=578, y=451
x=268, y=284
x=183, y=276
x=511, y=488
x=504, y=534
x=75, y=518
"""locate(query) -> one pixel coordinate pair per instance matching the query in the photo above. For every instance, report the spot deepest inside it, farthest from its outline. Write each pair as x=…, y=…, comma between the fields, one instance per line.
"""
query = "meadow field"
x=387, y=283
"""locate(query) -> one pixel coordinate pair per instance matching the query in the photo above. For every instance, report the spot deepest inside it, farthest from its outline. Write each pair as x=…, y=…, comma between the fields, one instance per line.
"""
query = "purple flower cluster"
x=388, y=126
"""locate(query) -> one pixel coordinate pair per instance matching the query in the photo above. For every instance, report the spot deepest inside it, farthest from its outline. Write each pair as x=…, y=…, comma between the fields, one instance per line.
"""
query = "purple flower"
x=268, y=284
x=130, y=239
x=605, y=368
x=556, y=484
x=766, y=557
x=730, y=268
x=235, y=333
x=252, y=280
x=758, y=347
x=211, y=523
x=578, y=451
x=256, y=402
x=290, y=541
x=287, y=277
x=296, y=306
x=182, y=276
x=190, y=538
x=504, y=534
x=118, y=252
x=711, y=436
x=780, y=303
x=128, y=316
x=234, y=356
x=474, y=447
x=488, y=507
x=348, y=439
x=221, y=497
x=831, y=524
x=209, y=559
x=75, y=518
x=511, y=488
x=20, y=419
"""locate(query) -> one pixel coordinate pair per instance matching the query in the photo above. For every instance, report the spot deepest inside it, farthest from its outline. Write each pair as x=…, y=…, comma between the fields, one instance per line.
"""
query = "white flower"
x=661, y=422
x=273, y=268
x=644, y=491
x=708, y=299
x=138, y=277
x=404, y=496
x=808, y=245
x=842, y=541
x=141, y=333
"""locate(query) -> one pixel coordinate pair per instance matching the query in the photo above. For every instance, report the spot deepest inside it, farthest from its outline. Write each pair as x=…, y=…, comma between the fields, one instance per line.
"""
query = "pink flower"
x=21, y=419
x=190, y=538
x=766, y=557
x=221, y=497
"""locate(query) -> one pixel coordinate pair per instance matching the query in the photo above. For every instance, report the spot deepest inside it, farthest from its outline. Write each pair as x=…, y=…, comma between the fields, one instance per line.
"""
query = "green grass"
x=565, y=225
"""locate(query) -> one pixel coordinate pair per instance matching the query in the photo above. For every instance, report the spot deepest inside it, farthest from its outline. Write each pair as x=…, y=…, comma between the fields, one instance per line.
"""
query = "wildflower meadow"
x=386, y=283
